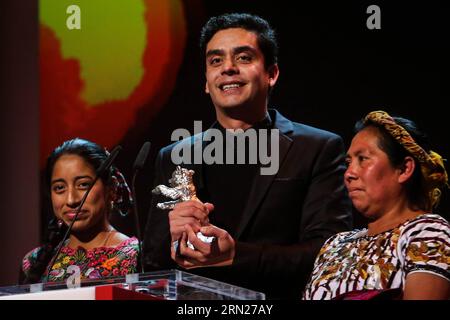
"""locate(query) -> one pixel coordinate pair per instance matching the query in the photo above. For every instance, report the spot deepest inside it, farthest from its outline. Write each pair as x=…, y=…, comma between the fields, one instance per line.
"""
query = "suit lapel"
x=262, y=183
x=199, y=145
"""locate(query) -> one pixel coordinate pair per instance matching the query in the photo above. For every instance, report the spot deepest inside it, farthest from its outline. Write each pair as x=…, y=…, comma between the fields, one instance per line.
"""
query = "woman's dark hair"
x=396, y=154
x=267, y=41
x=93, y=154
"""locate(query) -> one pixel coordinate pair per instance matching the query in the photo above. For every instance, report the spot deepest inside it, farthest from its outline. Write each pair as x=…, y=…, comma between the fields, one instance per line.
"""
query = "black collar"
x=265, y=123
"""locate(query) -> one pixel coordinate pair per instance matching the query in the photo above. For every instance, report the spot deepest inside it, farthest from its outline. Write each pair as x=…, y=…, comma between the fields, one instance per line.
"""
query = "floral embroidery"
x=96, y=263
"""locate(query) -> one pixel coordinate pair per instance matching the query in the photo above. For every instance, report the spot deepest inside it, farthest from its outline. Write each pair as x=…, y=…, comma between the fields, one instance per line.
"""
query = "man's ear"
x=274, y=72
x=406, y=169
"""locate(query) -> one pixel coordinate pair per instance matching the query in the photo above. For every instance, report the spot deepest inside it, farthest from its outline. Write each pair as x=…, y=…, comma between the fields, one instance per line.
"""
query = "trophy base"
x=202, y=238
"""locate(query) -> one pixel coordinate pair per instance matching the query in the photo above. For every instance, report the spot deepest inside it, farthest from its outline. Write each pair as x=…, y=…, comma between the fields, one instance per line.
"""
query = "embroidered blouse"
x=94, y=263
x=353, y=260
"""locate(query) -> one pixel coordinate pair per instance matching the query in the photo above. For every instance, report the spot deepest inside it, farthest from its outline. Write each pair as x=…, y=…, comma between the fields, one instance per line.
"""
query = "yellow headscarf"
x=431, y=164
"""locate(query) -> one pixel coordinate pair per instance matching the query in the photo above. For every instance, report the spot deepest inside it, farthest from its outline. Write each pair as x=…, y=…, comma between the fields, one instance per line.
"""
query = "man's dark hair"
x=267, y=41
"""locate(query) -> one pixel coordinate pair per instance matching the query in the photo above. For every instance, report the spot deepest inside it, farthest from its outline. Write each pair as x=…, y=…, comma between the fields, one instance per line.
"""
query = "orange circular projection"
x=66, y=113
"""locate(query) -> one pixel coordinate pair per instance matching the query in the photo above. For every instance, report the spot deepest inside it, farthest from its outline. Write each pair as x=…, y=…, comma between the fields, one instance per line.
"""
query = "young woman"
x=93, y=244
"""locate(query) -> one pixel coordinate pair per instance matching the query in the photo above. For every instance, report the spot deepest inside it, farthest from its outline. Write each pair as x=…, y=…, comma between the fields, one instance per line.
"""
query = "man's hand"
x=193, y=213
x=218, y=253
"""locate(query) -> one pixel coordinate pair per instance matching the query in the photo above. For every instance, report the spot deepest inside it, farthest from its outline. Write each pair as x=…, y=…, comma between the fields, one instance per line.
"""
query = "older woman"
x=394, y=181
x=93, y=245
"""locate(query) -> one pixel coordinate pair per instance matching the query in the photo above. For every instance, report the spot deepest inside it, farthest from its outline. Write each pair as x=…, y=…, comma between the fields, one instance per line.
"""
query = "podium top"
x=161, y=285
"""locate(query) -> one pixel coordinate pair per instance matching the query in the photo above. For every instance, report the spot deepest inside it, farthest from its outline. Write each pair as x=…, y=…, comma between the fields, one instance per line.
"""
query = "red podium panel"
x=115, y=292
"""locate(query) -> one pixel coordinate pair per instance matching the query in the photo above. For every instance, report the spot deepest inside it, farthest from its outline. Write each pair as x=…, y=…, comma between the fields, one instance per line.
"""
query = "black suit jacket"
x=287, y=217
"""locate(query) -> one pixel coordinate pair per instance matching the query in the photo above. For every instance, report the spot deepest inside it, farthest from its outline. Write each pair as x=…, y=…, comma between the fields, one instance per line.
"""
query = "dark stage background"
x=333, y=70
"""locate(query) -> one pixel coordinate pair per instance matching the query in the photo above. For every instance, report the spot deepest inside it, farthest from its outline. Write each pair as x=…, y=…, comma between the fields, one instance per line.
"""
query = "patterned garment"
x=353, y=260
x=95, y=263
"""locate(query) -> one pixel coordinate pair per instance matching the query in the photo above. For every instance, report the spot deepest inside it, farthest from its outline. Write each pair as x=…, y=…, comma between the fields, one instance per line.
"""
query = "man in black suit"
x=268, y=228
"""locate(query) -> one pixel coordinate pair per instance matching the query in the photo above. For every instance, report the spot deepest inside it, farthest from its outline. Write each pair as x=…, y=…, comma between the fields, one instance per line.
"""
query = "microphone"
x=138, y=165
x=98, y=174
x=107, y=163
x=142, y=156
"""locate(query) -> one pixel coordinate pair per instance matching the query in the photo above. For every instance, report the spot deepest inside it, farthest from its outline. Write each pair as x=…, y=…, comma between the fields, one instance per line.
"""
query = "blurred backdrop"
x=133, y=73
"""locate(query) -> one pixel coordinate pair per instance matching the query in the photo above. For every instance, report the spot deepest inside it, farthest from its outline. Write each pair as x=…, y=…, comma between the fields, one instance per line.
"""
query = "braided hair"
x=400, y=137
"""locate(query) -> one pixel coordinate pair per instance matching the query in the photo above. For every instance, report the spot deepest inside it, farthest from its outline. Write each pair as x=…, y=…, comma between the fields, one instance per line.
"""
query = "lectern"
x=160, y=285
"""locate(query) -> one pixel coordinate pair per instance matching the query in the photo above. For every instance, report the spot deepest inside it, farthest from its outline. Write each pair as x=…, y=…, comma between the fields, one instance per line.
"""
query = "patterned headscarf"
x=431, y=163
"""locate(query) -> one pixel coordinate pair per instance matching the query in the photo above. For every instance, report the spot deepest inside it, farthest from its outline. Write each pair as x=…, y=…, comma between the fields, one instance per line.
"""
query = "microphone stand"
x=137, y=223
x=139, y=164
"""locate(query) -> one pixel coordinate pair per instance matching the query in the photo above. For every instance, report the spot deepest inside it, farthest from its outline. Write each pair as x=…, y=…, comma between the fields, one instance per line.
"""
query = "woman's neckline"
x=79, y=247
x=107, y=236
x=364, y=232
